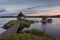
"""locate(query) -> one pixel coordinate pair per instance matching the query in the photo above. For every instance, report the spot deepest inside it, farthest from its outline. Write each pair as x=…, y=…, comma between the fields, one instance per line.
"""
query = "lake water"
x=3, y=21
x=52, y=29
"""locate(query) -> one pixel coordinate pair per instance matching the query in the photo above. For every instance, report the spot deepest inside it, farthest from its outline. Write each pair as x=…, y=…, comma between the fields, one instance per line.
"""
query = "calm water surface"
x=50, y=28
x=4, y=21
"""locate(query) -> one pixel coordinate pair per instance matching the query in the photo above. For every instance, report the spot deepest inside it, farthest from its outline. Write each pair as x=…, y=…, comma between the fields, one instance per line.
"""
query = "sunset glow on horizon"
x=44, y=14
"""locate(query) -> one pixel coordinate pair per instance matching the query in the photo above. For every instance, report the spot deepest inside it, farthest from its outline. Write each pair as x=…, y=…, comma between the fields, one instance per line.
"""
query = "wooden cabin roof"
x=20, y=14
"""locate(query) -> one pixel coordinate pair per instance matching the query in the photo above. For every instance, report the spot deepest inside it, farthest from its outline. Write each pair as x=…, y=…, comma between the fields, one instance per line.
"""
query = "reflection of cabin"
x=20, y=16
x=44, y=19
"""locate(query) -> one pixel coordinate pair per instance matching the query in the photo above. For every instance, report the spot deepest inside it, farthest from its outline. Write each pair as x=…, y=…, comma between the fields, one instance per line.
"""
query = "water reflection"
x=52, y=29
x=43, y=25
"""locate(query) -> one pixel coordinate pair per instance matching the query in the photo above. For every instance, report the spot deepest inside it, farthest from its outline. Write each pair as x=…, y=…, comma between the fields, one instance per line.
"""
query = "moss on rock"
x=25, y=23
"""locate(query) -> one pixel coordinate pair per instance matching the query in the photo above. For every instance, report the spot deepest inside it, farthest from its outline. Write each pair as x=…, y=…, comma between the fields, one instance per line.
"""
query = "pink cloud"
x=44, y=13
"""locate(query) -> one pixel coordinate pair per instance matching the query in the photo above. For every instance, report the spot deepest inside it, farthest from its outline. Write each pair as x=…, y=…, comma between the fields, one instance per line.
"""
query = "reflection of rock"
x=49, y=20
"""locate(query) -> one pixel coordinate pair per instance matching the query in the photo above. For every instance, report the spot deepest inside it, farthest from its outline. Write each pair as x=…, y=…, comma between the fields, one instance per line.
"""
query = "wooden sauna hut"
x=20, y=16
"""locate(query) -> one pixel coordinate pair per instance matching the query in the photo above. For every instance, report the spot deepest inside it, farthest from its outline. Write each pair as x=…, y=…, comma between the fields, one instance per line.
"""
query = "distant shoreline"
x=30, y=16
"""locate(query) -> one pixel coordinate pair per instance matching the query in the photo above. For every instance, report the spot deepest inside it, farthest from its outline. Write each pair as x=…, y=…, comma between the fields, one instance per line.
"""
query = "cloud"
x=28, y=3
x=31, y=2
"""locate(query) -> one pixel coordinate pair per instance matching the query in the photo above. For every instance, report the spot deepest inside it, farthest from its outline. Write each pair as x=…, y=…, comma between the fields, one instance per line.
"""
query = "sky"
x=46, y=5
x=22, y=4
